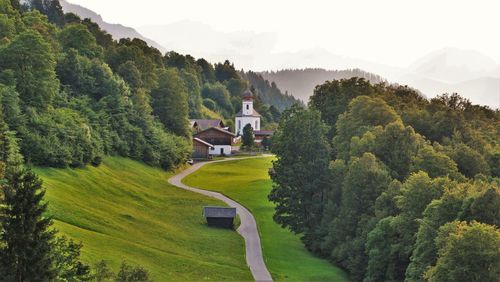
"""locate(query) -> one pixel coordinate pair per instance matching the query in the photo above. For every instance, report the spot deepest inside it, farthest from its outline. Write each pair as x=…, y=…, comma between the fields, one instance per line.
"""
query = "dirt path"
x=247, y=229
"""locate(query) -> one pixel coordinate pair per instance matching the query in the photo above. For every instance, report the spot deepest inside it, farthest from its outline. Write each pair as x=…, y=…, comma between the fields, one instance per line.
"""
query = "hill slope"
x=124, y=210
x=247, y=182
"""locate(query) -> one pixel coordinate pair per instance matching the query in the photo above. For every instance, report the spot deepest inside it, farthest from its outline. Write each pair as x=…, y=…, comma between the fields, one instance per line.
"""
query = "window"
x=248, y=106
x=239, y=124
x=256, y=124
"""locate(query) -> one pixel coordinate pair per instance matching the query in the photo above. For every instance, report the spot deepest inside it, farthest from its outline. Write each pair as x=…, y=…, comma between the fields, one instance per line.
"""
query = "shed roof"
x=221, y=212
x=203, y=142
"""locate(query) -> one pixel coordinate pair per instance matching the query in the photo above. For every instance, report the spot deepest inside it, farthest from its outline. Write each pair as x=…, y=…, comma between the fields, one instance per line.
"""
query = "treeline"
x=269, y=92
x=389, y=185
x=301, y=82
x=73, y=94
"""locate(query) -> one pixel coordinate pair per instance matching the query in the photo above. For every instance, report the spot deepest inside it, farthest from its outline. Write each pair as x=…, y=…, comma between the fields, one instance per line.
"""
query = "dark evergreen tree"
x=26, y=251
x=248, y=139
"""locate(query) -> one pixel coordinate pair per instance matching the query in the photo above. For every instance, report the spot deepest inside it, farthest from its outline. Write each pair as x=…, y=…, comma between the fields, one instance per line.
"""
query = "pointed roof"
x=247, y=95
x=203, y=142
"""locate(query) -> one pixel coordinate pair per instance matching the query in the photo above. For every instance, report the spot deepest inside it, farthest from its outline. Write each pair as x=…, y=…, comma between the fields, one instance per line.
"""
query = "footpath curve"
x=248, y=227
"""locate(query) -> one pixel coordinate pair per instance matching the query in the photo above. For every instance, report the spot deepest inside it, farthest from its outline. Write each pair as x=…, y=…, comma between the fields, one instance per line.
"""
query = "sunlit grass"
x=247, y=182
x=125, y=210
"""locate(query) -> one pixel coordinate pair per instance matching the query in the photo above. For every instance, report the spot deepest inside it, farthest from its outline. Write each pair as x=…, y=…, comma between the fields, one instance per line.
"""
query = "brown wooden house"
x=201, y=149
x=219, y=138
x=198, y=125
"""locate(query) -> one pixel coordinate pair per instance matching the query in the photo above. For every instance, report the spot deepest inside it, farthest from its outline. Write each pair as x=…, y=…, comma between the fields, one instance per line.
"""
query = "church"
x=247, y=115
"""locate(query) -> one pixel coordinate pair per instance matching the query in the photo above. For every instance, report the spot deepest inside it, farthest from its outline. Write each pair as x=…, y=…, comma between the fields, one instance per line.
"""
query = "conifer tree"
x=247, y=138
x=25, y=254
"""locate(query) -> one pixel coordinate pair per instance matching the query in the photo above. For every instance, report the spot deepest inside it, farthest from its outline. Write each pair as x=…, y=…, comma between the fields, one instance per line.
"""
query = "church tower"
x=247, y=114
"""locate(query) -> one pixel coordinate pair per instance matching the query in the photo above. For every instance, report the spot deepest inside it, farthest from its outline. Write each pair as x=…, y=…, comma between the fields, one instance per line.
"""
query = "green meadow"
x=125, y=210
x=247, y=182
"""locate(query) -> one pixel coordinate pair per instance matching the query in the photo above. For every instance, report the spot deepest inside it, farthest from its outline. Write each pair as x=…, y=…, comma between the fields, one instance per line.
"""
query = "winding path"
x=247, y=229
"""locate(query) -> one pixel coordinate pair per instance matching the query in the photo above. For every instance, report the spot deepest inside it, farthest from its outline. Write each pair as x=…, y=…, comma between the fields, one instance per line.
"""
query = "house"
x=247, y=115
x=198, y=125
x=219, y=216
x=219, y=138
x=261, y=134
x=201, y=149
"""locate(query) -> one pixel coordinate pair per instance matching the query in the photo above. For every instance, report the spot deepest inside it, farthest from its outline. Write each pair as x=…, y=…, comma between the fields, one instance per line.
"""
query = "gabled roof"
x=203, y=142
x=254, y=114
x=223, y=212
x=218, y=129
x=206, y=123
x=263, y=132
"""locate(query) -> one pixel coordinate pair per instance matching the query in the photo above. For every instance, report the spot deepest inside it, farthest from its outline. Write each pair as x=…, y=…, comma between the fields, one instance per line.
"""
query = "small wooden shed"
x=219, y=216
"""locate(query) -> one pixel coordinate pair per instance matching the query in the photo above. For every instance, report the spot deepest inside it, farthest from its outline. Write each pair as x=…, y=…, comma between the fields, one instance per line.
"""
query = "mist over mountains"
x=448, y=70
x=116, y=30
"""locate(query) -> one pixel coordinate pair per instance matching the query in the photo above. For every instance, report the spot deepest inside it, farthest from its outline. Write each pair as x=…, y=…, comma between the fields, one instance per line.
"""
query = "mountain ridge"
x=116, y=30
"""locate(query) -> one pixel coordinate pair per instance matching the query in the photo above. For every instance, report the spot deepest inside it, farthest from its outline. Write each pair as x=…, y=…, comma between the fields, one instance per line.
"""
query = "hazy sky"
x=394, y=32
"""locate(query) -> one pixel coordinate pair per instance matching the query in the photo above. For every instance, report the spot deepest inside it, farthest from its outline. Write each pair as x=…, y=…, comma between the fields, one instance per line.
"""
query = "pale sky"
x=393, y=32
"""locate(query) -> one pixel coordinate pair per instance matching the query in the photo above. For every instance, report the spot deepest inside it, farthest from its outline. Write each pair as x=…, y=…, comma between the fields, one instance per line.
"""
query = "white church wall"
x=242, y=121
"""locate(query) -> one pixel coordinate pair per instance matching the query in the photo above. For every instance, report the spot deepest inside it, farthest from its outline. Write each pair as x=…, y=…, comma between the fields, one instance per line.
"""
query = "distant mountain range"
x=301, y=82
x=469, y=73
x=116, y=30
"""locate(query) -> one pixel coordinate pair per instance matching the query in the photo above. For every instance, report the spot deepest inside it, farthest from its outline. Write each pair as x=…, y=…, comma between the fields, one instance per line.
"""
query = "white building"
x=247, y=115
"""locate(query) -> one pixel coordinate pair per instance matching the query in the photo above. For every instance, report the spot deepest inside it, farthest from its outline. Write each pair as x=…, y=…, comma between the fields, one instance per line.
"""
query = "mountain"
x=451, y=70
x=301, y=82
x=202, y=41
x=116, y=30
x=454, y=65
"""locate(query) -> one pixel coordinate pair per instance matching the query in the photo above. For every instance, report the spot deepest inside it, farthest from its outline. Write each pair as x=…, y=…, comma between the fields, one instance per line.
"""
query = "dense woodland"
x=389, y=185
x=71, y=95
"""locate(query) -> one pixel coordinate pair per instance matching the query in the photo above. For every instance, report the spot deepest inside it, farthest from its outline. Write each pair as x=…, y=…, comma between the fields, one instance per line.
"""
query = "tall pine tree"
x=26, y=251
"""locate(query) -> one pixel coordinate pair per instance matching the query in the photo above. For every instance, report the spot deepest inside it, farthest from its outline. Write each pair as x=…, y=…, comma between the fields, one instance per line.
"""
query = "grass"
x=247, y=182
x=124, y=210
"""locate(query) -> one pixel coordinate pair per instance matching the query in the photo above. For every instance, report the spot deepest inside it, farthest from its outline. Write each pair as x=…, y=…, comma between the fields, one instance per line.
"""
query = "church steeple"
x=247, y=107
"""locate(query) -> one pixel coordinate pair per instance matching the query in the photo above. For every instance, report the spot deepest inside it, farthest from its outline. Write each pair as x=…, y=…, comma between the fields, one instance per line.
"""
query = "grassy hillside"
x=124, y=210
x=247, y=182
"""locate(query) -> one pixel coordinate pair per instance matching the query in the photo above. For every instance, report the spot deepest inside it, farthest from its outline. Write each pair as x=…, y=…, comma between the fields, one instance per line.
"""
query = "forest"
x=71, y=95
x=389, y=185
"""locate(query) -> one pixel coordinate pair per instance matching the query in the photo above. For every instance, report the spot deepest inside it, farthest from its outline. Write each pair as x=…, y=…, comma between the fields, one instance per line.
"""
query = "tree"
x=66, y=256
x=363, y=114
x=434, y=163
x=390, y=244
x=248, y=139
x=467, y=252
x=365, y=180
x=170, y=102
x=32, y=61
x=129, y=273
x=333, y=97
x=26, y=252
x=301, y=171
x=219, y=94
x=469, y=161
